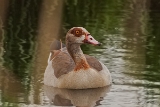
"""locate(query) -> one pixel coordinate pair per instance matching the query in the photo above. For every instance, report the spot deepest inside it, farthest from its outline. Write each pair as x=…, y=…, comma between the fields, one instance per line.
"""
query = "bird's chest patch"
x=81, y=65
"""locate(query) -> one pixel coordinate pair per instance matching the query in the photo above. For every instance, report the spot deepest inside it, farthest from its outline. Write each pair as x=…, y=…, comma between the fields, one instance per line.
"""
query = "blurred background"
x=128, y=29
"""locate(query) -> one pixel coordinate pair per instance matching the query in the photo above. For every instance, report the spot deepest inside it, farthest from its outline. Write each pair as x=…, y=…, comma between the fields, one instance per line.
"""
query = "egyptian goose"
x=69, y=68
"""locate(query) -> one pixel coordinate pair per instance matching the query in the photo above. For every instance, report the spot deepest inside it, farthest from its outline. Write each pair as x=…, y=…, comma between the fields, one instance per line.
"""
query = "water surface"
x=128, y=30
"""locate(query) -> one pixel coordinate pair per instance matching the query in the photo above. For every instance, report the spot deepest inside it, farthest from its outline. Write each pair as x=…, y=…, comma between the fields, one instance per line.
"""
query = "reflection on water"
x=66, y=97
x=20, y=25
x=128, y=29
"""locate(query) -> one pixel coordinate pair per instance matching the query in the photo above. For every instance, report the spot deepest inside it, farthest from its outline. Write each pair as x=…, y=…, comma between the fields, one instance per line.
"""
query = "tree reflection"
x=20, y=34
x=153, y=46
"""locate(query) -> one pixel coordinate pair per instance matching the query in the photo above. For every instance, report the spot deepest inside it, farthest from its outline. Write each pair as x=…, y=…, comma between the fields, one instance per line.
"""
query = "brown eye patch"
x=77, y=32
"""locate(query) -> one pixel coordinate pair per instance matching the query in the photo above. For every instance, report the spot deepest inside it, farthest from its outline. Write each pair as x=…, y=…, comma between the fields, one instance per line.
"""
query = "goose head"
x=79, y=35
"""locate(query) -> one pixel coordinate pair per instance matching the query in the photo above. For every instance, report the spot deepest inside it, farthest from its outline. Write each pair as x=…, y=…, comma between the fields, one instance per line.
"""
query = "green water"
x=128, y=29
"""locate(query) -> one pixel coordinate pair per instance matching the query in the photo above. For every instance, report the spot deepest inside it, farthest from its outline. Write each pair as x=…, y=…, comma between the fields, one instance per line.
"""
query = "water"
x=128, y=29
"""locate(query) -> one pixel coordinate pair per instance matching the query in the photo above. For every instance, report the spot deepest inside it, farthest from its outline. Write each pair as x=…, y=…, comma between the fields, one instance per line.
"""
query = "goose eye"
x=77, y=32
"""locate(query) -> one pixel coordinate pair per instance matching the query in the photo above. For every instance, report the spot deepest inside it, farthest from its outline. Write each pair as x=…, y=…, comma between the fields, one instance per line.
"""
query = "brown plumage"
x=64, y=64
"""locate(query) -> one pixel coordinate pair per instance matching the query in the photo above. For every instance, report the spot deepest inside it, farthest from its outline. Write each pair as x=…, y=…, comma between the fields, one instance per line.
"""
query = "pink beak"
x=90, y=40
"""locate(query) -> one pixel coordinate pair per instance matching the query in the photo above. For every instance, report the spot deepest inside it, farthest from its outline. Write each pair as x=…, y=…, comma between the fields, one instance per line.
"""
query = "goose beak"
x=90, y=40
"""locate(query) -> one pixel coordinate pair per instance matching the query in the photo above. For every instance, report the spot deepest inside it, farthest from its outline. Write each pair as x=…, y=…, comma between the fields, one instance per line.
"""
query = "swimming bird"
x=69, y=68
